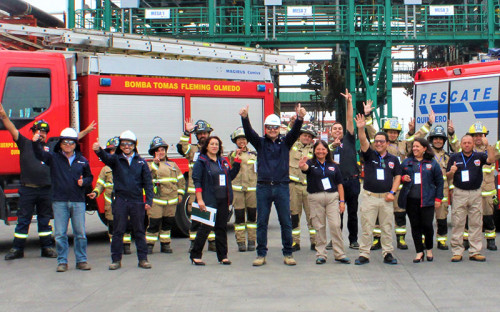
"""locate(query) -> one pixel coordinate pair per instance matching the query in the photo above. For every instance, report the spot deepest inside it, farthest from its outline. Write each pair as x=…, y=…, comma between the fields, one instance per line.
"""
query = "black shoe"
x=197, y=261
x=329, y=246
x=295, y=247
x=442, y=245
x=225, y=262
x=150, y=249
x=126, y=249
x=313, y=246
x=361, y=260
x=466, y=244
x=389, y=259
x=48, y=252
x=418, y=260
x=490, y=244
x=14, y=253
x=344, y=260
x=354, y=245
x=241, y=247
x=376, y=245
x=251, y=245
x=211, y=246
x=165, y=248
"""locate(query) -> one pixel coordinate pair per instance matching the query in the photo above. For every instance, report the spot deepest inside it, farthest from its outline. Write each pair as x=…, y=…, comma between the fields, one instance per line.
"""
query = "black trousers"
x=220, y=230
x=351, y=194
x=122, y=210
x=421, y=223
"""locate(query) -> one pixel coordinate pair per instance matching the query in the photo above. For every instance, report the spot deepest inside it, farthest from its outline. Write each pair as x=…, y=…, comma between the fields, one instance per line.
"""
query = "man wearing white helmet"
x=70, y=174
x=131, y=176
x=273, y=179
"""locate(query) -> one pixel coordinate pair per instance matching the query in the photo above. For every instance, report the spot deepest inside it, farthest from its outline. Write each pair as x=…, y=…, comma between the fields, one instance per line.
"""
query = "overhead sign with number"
x=299, y=11
x=158, y=13
x=441, y=10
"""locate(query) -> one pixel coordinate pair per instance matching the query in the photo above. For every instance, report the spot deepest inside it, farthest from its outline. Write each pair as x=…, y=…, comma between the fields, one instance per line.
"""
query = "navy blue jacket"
x=65, y=176
x=129, y=180
x=203, y=182
x=431, y=186
x=273, y=158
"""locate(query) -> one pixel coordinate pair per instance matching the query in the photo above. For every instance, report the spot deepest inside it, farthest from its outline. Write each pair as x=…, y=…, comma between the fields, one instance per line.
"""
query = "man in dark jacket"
x=131, y=176
x=272, y=179
x=70, y=175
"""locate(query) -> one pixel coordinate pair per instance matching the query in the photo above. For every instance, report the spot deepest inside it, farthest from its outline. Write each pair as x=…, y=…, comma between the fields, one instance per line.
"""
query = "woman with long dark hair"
x=326, y=200
x=212, y=179
x=422, y=192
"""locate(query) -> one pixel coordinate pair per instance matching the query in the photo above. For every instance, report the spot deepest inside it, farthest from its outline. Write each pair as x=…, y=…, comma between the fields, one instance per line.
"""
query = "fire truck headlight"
x=105, y=82
x=261, y=88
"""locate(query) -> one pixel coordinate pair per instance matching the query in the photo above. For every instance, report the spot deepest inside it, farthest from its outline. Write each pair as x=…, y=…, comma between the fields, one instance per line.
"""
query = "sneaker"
x=456, y=258
x=14, y=253
x=259, y=261
x=289, y=260
x=329, y=246
x=361, y=260
x=344, y=260
x=251, y=245
x=84, y=266
x=389, y=259
x=126, y=249
x=242, y=247
x=478, y=257
x=320, y=260
x=211, y=246
x=115, y=265
x=354, y=245
x=62, y=267
x=48, y=252
x=144, y=264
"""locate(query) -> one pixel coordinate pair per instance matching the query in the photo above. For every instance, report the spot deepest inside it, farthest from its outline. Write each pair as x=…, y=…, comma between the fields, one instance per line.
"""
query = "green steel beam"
x=71, y=14
x=107, y=15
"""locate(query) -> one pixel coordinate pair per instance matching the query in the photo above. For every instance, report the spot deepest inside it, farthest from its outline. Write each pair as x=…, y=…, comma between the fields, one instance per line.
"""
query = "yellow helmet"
x=392, y=124
x=478, y=128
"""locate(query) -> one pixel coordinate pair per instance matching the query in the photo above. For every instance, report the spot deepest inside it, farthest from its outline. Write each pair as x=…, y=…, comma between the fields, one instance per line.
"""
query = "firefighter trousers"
x=298, y=202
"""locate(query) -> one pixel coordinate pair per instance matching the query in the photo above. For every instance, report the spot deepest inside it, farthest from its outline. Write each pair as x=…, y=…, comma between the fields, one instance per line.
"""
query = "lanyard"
x=439, y=160
x=322, y=166
x=220, y=166
x=465, y=162
x=381, y=161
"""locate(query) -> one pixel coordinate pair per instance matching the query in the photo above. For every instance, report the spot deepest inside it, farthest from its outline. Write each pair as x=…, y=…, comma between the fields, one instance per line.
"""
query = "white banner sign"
x=273, y=2
x=158, y=13
x=441, y=10
x=413, y=2
x=300, y=11
x=127, y=4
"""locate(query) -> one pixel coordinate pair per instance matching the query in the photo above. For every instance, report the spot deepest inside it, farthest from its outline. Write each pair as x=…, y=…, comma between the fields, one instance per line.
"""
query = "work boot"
x=401, y=242
x=442, y=245
x=456, y=258
x=191, y=246
x=329, y=246
x=295, y=247
x=48, y=252
x=477, y=257
x=490, y=244
x=144, y=264
x=150, y=249
x=84, y=266
x=466, y=244
x=115, y=265
x=126, y=249
x=289, y=260
x=251, y=245
x=211, y=246
x=354, y=245
x=313, y=246
x=376, y=245
x=259, y=261
x=242, y=247
x=14, y=253
x=62, y=267
x=165, y=248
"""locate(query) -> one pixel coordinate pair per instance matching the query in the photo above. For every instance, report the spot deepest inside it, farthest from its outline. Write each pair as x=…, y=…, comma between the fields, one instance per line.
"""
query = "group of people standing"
x=414, y=176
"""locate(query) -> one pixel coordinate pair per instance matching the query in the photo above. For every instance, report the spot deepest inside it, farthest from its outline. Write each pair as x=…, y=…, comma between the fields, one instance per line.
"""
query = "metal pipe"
x=19, y=7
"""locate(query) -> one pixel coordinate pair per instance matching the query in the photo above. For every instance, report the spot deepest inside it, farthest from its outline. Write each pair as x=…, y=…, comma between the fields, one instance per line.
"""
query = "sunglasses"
x=126, y=144
x=272, y=127
x=379, y=141
x=68, y=142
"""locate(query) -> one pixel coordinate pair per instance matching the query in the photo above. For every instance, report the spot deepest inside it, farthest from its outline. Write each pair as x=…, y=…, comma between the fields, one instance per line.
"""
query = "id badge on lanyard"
x=380, y=175
x=326, y=184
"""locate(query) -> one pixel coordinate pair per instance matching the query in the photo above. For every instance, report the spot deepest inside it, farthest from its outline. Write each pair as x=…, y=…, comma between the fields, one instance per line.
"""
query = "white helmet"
x=128, y=135
x=69, y=133
x=272, y=120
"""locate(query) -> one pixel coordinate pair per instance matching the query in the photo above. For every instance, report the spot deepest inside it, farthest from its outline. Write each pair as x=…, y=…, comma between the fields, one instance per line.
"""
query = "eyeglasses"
x=272, y=127
x=68, y=142
x=380, y=141
x=126, y=144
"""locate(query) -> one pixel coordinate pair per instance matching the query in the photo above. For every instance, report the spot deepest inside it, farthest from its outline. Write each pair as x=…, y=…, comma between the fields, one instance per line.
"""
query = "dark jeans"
x=280, y=195
x=32, y=198
x=351, y=194
x=220, y=230
x=421, y=223
x=122, y=210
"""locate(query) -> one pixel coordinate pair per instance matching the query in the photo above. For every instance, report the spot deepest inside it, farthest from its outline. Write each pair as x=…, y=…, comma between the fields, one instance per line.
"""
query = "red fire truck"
x=149, y=95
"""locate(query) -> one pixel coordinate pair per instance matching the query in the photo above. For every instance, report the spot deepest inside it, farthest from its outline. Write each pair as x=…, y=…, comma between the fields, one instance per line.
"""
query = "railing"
x=326, y=20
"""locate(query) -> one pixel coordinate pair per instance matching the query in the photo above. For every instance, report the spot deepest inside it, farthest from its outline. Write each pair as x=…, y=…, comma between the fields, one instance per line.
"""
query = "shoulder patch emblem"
x=391, y=165
x=428, y=166
x=477, y=162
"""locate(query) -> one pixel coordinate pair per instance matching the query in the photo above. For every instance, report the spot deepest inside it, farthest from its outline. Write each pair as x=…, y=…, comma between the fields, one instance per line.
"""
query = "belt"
x=34, y=185
x=377, y=195
x=272, y=182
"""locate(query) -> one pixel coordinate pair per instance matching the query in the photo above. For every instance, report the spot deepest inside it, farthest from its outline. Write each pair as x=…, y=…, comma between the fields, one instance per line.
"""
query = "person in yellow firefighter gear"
x=202, y=130
x=244, y=193
x=298, y=185
x=105, y=183
x=169, y=185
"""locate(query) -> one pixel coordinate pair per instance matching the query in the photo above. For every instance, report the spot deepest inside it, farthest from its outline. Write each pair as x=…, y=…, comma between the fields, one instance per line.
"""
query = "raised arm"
x=250, y=134
x=452, y=137
x=294, y=134
x=87, y=130
x=363, y=140
x=8, y=124
x=349, y=112
x=40, y=154
x=104, y=156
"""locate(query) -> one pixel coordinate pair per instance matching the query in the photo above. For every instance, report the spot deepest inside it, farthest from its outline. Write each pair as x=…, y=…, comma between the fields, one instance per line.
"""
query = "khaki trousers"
x=466, y=203
x=373, y=205
x=325, y=208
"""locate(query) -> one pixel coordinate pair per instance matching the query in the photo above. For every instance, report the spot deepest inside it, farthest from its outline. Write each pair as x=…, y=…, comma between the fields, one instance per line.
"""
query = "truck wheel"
x=182, y=219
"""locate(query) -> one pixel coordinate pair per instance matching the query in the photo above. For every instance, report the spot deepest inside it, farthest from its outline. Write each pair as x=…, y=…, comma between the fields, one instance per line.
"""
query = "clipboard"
x=205, y=217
